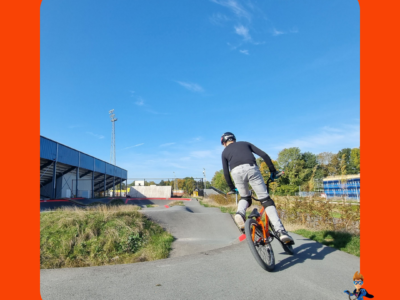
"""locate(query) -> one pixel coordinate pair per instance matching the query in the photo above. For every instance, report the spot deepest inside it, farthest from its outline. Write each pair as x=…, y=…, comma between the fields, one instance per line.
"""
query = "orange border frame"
x=20, y=23
x=20, y=88
x=379, y=117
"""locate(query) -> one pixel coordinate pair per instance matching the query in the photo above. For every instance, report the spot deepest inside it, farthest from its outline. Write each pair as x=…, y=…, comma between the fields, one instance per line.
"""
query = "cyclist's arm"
x=264, y=156
x=226, y=173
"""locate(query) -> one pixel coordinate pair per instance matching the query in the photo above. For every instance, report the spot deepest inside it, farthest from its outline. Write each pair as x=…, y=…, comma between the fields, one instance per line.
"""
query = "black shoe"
x=284, y=237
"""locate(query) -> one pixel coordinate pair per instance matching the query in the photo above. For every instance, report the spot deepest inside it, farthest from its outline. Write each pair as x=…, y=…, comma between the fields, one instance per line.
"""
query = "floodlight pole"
x=113, y=159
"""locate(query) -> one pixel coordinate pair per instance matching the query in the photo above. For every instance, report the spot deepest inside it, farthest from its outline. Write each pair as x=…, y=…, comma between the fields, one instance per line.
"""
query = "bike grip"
x=280, y=174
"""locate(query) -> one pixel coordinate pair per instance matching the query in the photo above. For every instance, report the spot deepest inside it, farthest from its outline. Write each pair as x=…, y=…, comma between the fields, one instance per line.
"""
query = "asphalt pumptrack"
x=210, y=259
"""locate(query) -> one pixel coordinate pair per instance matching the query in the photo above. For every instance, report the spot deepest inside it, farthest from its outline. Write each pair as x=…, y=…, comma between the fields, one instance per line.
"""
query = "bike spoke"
x=263, y=249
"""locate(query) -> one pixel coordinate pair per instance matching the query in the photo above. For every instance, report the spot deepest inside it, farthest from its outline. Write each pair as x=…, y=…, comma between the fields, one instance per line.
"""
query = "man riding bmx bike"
x=244, y=170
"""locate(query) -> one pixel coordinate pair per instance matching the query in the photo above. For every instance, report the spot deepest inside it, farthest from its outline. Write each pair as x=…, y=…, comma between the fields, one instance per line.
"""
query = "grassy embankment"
x=100, y=235
x=332, y=224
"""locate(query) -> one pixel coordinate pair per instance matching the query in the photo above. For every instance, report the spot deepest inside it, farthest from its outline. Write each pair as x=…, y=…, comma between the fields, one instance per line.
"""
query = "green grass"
x=176, y=203
x=340, y=240
x=101, y=235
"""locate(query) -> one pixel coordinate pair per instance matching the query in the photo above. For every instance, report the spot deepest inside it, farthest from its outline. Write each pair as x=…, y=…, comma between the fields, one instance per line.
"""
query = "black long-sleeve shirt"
x=240, y=153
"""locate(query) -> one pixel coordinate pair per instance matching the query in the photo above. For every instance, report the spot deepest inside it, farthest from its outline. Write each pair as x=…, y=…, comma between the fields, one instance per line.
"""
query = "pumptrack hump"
x=208, y=262
x=194, y=227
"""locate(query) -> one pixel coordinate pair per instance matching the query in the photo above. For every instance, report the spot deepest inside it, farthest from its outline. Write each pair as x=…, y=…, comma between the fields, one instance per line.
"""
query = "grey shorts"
x=246, y=174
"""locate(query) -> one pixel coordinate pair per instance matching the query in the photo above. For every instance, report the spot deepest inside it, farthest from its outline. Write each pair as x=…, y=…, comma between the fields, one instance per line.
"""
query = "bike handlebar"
x=279, y=174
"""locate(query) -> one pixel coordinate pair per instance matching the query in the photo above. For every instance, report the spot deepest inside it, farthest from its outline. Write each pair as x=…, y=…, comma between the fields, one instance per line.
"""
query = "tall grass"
x=100, y=235
x=310, y=212
x=318, y=213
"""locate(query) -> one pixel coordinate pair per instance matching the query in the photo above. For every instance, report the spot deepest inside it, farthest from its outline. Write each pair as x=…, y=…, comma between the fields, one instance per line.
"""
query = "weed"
x=100, y=235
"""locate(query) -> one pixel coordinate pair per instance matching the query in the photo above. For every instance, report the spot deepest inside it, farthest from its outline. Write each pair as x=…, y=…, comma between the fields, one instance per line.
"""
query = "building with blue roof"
x=67, y=173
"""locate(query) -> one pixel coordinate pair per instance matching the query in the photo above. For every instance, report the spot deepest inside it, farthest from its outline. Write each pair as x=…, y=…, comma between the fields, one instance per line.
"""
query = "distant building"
x=347, y=186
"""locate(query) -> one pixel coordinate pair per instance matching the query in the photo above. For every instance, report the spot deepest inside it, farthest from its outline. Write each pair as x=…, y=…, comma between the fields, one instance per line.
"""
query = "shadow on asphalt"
x=302, y=253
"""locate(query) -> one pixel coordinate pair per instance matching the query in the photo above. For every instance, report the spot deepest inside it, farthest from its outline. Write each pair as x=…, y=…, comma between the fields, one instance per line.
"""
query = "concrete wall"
x=150, y=191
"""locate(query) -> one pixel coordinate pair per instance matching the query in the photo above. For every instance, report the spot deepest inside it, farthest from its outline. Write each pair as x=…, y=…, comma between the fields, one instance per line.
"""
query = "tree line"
x=303, y=170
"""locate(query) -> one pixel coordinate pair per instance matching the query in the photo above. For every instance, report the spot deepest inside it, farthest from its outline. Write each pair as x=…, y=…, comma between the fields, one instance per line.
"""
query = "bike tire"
x=288, y=249
x=263, y=254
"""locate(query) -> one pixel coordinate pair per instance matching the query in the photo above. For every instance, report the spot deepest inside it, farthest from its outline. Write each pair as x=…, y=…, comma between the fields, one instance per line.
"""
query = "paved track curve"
x=208, y=262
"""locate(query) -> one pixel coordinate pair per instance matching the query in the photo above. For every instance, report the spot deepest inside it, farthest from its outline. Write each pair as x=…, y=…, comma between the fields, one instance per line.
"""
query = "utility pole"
x=113, y=159
x=175, y=185
x=205, y=178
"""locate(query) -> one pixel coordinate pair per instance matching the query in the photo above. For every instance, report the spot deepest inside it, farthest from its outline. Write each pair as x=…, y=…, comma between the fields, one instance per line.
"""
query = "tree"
x=219, y=181
x=287, y=156
x=265, y=170
x=189, y=185
x=324, y=160
x=333, y=167
x=310, y=160
x=355, y=160
x=181, y=183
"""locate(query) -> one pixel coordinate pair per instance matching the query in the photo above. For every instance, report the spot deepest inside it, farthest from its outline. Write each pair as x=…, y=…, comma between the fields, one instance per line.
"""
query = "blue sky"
x=281, y=73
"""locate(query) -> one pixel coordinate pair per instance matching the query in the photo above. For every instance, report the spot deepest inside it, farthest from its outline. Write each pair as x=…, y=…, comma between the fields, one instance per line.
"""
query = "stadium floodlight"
x=113, y=159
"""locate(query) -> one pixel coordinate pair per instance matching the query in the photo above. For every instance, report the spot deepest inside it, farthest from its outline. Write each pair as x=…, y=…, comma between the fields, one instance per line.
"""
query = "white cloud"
x=243, y=31
x=218, y=19
x=166, y=145
x=235, y=7
x=139, y=101
x=96, y=135
x=328, y=137
x=194, y=87
x=276, y=32
x=244, y=52
x=133, y=146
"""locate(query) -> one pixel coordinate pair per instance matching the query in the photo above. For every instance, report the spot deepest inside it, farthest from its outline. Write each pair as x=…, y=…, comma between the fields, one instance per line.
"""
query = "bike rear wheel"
x=262, y=252
x=288, y=249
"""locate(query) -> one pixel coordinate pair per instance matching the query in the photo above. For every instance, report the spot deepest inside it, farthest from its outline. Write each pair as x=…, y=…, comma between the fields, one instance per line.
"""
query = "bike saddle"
x=254, y=214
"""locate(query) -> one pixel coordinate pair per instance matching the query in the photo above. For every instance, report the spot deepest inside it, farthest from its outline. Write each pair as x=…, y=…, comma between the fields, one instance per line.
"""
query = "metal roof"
x=69, y=158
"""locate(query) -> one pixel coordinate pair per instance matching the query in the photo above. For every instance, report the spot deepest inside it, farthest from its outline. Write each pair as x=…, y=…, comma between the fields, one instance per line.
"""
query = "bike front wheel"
x=262, y=252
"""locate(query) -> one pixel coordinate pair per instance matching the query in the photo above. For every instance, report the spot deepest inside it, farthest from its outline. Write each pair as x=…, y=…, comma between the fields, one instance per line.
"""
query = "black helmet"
x=227, y=136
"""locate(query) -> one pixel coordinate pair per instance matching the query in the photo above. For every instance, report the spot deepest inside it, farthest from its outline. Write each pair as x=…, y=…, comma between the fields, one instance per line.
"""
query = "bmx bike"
x=260, y=234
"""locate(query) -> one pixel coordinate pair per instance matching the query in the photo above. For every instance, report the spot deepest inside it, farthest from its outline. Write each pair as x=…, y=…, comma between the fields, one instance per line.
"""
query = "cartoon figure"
x=359, y=293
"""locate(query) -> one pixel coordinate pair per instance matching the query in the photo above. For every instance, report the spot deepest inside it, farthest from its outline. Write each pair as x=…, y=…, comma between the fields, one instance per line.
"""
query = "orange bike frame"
x=262, y=225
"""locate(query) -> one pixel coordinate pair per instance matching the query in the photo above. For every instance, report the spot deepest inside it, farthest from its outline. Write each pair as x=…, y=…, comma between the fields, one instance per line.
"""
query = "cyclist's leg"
x=258, y=185
x=239, y=176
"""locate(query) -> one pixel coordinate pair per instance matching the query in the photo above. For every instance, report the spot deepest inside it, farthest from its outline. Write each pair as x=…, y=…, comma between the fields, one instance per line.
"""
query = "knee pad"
x=248, y=199
x=265, y=202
